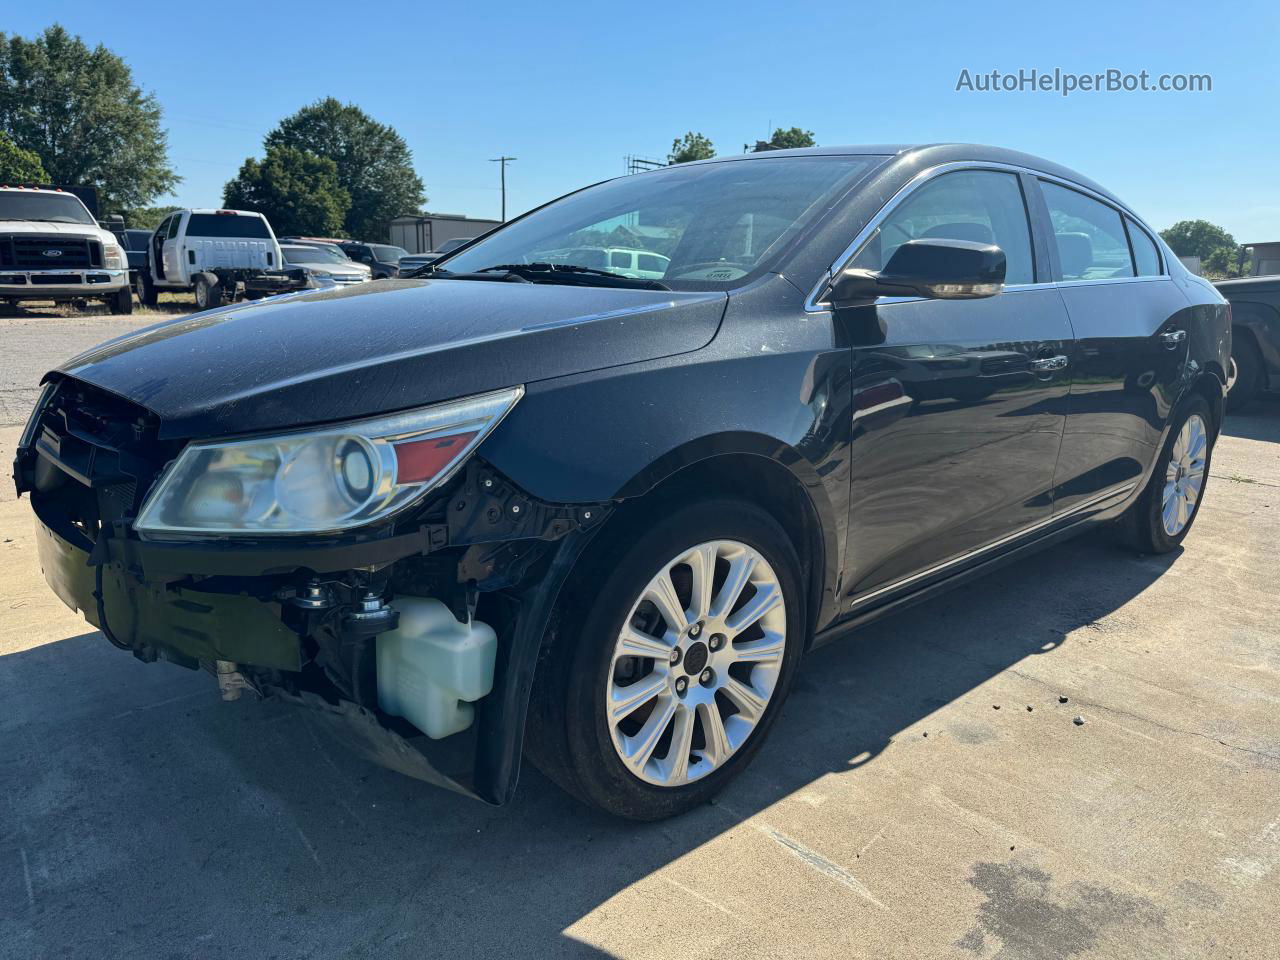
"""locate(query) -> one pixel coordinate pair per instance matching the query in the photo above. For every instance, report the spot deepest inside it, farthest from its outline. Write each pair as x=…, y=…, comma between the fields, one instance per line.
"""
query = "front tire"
x=148, y=296
x=1248, y=373
x=121, y=301
x=1160, y=519
x=670, y=665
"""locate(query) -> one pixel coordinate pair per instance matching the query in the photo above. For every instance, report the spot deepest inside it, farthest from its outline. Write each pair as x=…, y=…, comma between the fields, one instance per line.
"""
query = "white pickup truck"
x=216, y=254
x=51, y=248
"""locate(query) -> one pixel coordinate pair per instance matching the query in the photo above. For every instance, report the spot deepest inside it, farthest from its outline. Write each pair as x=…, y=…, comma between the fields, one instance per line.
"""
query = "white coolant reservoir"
x=431, y=666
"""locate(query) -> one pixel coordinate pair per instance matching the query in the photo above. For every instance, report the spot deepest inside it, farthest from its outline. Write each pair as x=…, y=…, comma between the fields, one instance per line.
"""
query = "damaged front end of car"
x=407, y=614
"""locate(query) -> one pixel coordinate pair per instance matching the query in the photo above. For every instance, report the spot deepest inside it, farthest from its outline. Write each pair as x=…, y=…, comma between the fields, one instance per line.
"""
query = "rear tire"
x=208, y=291
x=1248, y=373
x=148, y=296
x=1160, y=519
x=578, y=737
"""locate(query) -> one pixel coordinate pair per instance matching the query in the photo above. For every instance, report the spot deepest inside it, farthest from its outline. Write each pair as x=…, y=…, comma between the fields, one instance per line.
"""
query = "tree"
x=1218, y=252
x=18, y=165
x=692, y=146
x=294, y=189
x=81, y=113
x=146, y=218
x=789, y=139
x=374, y=164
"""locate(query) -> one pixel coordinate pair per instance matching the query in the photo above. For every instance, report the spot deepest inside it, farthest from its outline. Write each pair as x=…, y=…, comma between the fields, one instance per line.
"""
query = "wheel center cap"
x=695, y=658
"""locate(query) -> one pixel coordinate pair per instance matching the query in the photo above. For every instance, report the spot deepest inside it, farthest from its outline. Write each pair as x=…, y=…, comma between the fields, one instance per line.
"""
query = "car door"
x=958, y=405
x=171, y=255
x=157, y=245
x=1130, y=322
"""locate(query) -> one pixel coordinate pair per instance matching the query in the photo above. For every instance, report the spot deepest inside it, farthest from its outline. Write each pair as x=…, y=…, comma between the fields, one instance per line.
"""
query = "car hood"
x=379, y=347
x=48, y=228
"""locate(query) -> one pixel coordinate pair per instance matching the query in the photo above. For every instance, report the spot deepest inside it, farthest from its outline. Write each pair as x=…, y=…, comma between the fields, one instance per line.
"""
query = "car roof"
x=1249, y=284
x=923, y=155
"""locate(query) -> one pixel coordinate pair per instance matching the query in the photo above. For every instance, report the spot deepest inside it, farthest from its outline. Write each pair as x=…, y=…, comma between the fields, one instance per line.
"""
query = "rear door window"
x=1089, y=235
x=620, y=260
x=173, y=226
x=1146, y=257
x=227, y=225
x=984, y=206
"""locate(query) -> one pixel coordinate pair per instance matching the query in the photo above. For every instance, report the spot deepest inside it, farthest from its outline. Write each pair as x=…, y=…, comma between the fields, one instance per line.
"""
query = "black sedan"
x=521, y=492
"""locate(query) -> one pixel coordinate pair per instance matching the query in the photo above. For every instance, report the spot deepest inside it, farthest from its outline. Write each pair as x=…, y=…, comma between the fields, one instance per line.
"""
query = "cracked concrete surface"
x=894, y=812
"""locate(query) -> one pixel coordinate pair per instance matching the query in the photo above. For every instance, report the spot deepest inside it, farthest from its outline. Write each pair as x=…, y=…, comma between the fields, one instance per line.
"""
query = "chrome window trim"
x=813, y=304
x=1093, y=501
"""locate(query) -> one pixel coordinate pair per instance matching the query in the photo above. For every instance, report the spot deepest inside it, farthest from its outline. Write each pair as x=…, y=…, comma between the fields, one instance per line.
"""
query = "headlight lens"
x=318, y=481
x=113, y=257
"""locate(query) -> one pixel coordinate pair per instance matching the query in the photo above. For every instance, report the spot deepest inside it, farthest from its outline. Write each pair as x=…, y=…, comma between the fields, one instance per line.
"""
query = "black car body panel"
x=906, y=443
x=344, y=354
x=1255, y=317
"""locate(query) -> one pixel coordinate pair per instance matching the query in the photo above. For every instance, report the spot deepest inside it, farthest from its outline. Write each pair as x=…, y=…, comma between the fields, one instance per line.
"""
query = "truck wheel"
x=208, y=292
x=670, y=662
x=1248, y=373
x=147, y=293
x=121, y=301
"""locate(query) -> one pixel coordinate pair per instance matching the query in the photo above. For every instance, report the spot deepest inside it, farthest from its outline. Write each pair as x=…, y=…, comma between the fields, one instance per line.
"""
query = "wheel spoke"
x=768, y=649
x=628, y=699
x=749, y=703
x=740, y=568
x=702, y=563
x=717, y=747
x=676, y=767
x=767, y=596
x=634, y=643
x=662, y=593
x=645, y=742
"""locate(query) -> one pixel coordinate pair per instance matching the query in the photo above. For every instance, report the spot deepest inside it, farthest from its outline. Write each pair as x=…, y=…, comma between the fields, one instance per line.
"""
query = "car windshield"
x=386, y=254
x=50, y=207
x=306, y=253
x=697, y=226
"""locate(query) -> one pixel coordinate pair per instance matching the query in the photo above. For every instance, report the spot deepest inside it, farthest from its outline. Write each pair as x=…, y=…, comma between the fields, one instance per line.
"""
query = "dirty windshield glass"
x=52, y=207
x=693, y=227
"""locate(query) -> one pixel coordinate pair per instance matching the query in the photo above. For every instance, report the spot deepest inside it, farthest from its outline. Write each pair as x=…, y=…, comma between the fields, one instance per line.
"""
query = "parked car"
x=51, y=248
x=416, y=261
x=322, y=262
x=216, y=255
x=624, y=261
x=382, y=258
x=333, y=246
x=1255, y=336
x=135, y=242
x=621, y=510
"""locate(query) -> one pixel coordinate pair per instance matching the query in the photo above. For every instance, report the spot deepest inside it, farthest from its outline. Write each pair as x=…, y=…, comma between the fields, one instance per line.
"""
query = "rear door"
x=958, y=405
x=170, y=253
x=1130, y=323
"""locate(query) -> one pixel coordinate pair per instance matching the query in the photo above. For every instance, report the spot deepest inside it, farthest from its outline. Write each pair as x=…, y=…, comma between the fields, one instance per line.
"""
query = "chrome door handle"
x=1172, y=338
x=1049, y=364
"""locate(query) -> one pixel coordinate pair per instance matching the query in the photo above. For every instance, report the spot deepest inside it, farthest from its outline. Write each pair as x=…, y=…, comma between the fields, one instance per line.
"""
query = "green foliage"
x=18, y=165
x=146, y=218
x=80, y=112
x=789, y=139
x=296, y=190
x=1219, y=254
x=374, y=164
x=692, y=146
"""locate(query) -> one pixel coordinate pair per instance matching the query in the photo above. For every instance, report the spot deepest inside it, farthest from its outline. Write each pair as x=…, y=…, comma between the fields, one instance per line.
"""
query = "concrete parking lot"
x=925, y=794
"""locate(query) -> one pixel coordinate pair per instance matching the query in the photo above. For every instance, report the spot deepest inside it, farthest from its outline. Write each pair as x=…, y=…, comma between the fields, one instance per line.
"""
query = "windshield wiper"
x=567, y=273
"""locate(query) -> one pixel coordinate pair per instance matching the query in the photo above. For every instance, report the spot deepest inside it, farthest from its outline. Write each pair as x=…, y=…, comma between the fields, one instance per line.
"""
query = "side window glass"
x=620, y=259
x=163, y=229
x=1089, y=235
x=173, y=225
x=652, y=263
x=979, y=205
x=1145, y=256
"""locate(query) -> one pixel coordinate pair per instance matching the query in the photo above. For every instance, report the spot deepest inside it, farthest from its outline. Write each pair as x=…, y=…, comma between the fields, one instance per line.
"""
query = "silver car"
x=324, y=263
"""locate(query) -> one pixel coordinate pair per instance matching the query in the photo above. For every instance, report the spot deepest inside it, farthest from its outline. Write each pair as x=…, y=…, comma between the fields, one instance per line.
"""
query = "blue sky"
x=570, y=88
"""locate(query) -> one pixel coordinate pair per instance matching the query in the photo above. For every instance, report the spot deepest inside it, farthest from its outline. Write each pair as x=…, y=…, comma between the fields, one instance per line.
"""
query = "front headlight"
x=114, y=257
x=319, y=481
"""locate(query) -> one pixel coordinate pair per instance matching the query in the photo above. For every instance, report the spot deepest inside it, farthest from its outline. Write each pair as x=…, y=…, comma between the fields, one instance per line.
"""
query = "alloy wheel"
x=697, y=662
x=1184, y=476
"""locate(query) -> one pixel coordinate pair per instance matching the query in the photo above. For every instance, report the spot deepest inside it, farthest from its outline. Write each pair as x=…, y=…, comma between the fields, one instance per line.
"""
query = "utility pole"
x=504, y=161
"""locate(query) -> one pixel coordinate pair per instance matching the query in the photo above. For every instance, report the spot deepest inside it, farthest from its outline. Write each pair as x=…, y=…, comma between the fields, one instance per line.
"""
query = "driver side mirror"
x=937, y=269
